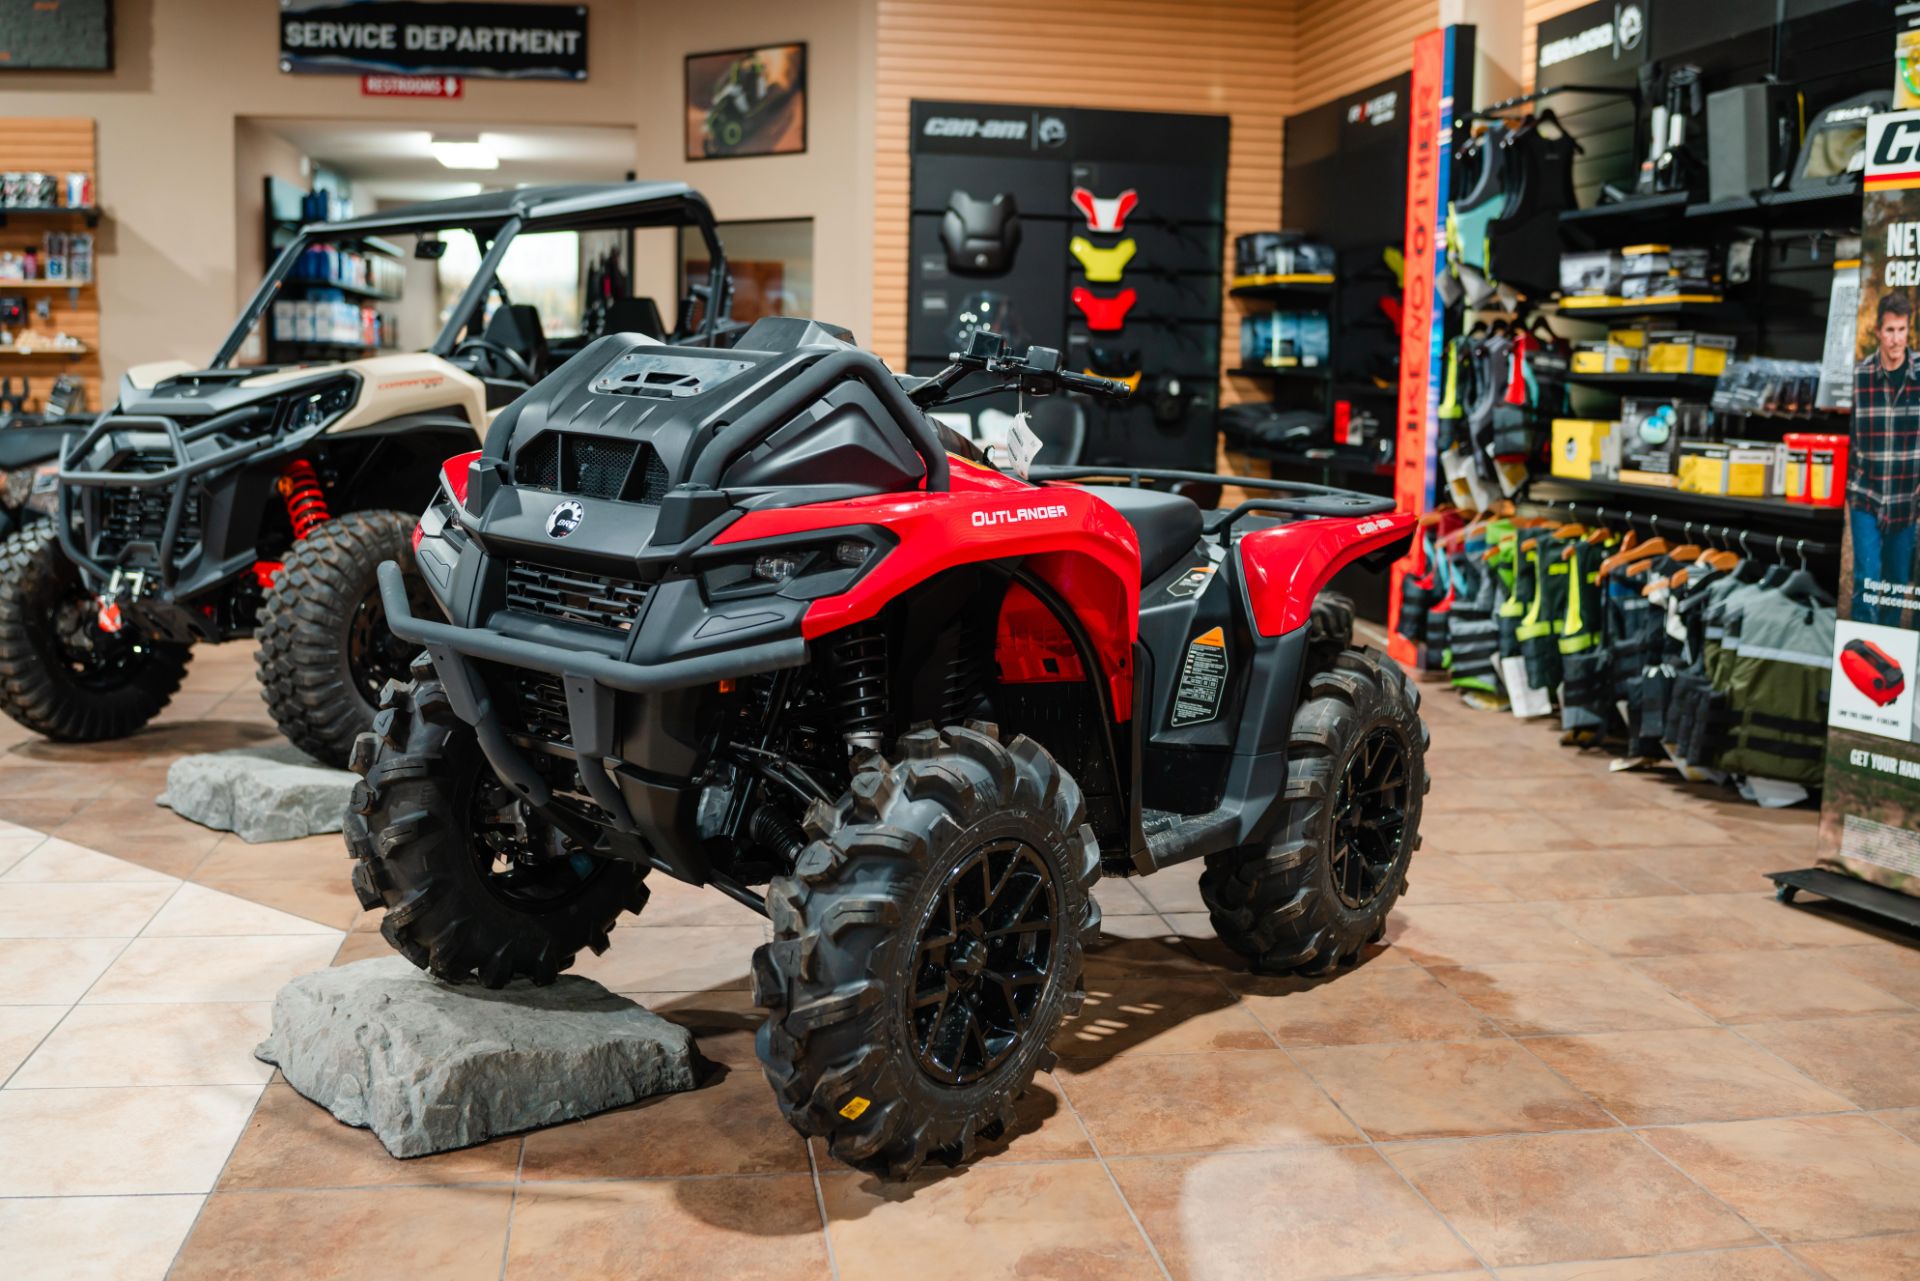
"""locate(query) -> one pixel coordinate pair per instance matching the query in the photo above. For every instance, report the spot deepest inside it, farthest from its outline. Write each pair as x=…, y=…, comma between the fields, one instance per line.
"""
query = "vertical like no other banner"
x=1422, y=341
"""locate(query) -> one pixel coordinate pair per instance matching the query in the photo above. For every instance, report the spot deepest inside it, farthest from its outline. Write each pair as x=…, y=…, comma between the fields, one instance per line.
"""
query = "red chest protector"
x=1103, y=313
x=1109, y=214
x=1872, y=671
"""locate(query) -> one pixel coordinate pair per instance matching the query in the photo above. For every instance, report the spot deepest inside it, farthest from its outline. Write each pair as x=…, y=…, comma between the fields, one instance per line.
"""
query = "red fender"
x=1286, y=566
x=1073, y=542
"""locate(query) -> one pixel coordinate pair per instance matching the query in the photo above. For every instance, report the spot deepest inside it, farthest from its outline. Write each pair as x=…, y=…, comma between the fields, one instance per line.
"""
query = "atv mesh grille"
x=140, y=515
x=574, y=597
x=592, y=466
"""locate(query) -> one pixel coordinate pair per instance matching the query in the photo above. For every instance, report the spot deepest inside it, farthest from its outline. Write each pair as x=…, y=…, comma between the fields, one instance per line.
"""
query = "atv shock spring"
x=306, y=501
x=858, y=683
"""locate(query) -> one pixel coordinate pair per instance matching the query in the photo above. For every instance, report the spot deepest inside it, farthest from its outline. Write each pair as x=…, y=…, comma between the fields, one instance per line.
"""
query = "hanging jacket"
x=1777, y=686
x=1586, y=701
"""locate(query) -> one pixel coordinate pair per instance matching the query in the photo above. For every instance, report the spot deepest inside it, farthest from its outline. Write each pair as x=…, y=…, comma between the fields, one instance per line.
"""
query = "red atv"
x=749, y=616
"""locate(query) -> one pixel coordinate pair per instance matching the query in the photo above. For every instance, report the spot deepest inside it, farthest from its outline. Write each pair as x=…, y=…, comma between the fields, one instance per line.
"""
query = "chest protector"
x=1102, y=266
x=1103, y=314
x=1109, y=214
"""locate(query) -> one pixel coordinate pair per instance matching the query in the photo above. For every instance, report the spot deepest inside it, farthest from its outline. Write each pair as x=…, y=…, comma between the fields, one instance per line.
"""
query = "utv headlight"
x=312, y=408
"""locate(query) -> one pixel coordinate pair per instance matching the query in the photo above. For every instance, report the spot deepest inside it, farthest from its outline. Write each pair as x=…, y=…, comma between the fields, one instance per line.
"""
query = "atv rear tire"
x=60, y=675
x=325, y=651
x=1356, y=772
x=911, y=1004
x=412, y=827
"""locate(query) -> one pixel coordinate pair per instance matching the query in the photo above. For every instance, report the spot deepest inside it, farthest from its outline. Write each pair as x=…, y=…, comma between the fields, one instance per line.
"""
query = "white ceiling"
x=392, y=162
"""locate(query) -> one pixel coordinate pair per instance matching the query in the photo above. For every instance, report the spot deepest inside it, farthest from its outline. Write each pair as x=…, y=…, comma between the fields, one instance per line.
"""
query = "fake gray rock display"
x=258, y=793
x=430, y=1067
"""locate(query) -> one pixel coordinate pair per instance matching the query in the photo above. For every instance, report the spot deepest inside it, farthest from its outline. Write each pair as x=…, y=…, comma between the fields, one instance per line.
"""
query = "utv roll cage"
x=494, y=219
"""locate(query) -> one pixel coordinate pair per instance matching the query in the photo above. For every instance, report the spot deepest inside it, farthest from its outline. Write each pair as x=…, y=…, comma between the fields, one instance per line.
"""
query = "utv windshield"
x=508, y=285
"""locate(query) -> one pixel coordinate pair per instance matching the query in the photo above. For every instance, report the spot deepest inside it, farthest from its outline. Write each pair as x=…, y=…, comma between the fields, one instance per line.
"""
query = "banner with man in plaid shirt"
x=1883, y=473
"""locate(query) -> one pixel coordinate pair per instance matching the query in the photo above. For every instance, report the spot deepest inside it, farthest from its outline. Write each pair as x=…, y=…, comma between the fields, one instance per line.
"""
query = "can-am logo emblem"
x=1631, y=26
x=564, y=519
x=970, y=127
x=1052, y=131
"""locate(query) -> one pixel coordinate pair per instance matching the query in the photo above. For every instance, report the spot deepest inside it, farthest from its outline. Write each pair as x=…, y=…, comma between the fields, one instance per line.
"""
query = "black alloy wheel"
x=374, y=654
x=1370, y=817
x=521, y=858
x=982, y=962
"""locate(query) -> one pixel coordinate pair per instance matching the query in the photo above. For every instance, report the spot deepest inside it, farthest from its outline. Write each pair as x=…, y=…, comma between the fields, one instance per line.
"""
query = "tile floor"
x=1592, y=1047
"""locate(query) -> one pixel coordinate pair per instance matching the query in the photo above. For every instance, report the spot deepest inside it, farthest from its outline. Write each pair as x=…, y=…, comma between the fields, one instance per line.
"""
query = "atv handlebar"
x=1037, y=372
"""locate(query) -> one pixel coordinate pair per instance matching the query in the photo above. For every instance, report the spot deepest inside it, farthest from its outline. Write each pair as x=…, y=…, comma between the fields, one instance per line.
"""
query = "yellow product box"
x=1651, y=479
x=1753, y=467
x=1584, y=449
x=1686, y=352
x=1703, y=467
x=1632, y=339
x=1603, y=358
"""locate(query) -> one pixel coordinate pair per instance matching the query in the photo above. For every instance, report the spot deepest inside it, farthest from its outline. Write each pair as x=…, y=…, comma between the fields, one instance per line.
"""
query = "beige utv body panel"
x=394, y=386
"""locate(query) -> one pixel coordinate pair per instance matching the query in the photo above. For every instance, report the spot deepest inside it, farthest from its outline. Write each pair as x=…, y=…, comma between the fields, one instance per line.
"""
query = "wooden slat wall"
x=58, y=145
x=1349, y=44
x=1134, y=55
x=1537, y=12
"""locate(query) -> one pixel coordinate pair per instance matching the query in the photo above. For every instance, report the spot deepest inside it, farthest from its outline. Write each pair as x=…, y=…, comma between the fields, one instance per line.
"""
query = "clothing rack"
x=1727, y=535
x=1495, y=111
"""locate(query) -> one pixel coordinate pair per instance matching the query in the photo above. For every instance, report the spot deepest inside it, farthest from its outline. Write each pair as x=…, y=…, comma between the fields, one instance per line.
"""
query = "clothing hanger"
x=1801, y=585
x=1777, y=573
x=1750, y=569
x=1689, y=550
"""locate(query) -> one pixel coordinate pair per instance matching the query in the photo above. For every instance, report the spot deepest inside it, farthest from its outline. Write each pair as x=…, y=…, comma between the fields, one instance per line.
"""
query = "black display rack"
x=1876, y=900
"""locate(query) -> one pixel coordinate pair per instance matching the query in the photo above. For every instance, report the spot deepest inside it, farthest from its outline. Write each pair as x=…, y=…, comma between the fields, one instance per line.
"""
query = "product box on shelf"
x=1596, y=272
x=1585, y=449
x=1683, y=351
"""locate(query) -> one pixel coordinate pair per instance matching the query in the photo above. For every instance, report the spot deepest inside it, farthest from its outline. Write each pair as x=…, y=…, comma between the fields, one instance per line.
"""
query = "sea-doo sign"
x=428, y=37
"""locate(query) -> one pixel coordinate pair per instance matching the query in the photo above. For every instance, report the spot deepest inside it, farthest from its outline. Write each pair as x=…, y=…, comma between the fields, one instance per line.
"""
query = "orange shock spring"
x=306, y=501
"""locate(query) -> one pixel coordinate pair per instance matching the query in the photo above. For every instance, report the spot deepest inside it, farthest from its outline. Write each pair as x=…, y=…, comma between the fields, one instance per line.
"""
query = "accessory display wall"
x=1115, y=244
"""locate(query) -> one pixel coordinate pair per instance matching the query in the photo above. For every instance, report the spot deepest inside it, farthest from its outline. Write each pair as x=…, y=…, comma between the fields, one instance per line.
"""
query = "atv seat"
x=1167, y=525
x=635, y=316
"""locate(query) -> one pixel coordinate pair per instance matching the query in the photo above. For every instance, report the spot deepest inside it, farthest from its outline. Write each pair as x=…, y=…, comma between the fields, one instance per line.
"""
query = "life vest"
x=1103, y=314
x=1102, y=266
x=1873, y=671
x=1108, y=214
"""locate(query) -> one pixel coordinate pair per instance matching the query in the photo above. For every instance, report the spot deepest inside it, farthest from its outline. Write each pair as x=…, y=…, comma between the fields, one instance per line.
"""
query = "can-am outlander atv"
x=749, y=616
x=236, y=501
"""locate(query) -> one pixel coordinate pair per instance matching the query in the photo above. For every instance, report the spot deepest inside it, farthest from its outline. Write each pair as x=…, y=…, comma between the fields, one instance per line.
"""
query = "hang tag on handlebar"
x=1022, y=445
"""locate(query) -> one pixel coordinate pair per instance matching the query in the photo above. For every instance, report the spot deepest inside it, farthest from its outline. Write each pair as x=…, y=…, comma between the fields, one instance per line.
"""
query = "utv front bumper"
x=636, y=803
x=176, y=507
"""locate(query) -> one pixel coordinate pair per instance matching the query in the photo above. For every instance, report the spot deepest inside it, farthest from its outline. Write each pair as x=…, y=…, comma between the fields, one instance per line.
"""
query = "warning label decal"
x=1203, y=679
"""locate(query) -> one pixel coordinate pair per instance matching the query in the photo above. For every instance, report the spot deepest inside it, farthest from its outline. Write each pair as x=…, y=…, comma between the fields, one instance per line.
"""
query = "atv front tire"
x=927, y=948
x=1310, y=900
x=474, y=888
x=325, y=651
x=60, y=674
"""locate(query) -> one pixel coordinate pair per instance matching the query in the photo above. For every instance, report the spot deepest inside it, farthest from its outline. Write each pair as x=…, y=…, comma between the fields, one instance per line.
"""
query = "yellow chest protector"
x=1103, y=266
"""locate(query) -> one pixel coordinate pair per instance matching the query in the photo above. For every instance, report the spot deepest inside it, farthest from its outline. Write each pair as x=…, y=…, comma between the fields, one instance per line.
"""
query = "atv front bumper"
x=643, y=805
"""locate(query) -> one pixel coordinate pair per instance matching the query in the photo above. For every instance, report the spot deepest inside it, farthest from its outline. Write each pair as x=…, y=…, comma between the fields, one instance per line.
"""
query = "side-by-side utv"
x=234, y=501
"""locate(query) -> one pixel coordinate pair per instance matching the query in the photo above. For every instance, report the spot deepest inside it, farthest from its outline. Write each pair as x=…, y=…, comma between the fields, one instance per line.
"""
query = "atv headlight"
x=798, y=571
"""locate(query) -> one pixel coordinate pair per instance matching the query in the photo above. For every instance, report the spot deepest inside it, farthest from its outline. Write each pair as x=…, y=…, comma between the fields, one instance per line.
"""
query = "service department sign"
x=458, y=37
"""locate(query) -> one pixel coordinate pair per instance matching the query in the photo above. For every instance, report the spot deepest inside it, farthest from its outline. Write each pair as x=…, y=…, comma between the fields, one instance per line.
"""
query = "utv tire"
x=1310, y=900
x=886, y=1036
x=410, y=827
x=60, y=675
x=325, y=651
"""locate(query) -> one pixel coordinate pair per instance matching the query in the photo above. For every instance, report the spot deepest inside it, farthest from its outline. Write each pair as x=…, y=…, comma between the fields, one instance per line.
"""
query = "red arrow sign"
x=386, y=86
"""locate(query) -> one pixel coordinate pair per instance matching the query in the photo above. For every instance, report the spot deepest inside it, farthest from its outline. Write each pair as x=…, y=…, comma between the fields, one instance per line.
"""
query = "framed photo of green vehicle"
x=747, y=102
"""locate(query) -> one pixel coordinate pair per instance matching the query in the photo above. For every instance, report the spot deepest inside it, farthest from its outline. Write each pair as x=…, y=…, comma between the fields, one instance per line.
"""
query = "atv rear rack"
x=1319, y=500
